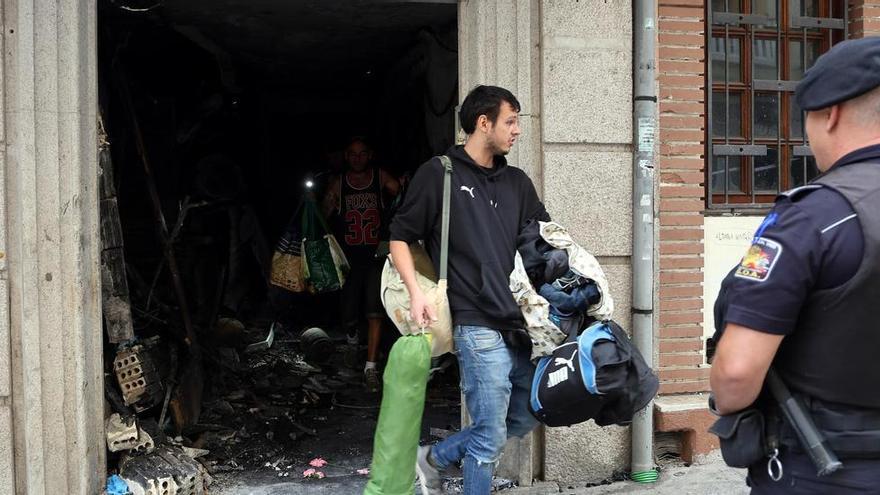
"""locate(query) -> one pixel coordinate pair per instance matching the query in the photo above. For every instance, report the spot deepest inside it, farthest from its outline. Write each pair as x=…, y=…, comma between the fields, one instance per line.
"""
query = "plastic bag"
x=324, y=264
x=287, y=266
x=400, y=419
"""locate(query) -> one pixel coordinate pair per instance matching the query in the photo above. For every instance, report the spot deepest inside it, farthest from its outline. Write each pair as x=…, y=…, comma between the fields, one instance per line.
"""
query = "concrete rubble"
x=166, y=471
x=138, y=375
x=125, y=434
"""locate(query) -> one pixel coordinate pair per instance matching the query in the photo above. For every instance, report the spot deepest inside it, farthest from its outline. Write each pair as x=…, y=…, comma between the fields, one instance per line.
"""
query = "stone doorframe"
x=51, y=382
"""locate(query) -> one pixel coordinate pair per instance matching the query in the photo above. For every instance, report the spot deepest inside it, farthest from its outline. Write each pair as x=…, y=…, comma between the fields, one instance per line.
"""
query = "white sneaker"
x=428, y=475
x=372, y=379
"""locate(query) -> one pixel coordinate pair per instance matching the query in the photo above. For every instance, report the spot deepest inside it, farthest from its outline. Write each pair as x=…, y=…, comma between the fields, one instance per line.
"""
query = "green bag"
x=323, y=261
x=400, y=419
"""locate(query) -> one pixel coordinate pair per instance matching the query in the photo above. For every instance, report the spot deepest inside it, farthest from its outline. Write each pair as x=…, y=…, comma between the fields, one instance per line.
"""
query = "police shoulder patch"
x=760, y=259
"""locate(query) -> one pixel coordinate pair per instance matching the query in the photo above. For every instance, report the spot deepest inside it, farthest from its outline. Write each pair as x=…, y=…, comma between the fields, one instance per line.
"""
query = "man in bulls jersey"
x=358, y=197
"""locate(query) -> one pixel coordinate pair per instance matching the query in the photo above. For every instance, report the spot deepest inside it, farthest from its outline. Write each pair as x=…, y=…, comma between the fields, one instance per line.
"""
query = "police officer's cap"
x=850, y=69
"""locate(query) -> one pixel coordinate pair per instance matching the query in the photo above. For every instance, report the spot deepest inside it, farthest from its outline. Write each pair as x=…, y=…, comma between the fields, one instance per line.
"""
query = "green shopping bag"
x=400, y=419
x=323, y=261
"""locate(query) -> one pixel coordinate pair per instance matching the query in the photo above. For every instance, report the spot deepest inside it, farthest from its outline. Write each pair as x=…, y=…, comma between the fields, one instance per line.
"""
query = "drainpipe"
x=644, y=132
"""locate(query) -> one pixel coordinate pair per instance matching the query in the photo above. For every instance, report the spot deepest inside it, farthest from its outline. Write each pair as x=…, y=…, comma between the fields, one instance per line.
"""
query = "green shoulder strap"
x=444, y=232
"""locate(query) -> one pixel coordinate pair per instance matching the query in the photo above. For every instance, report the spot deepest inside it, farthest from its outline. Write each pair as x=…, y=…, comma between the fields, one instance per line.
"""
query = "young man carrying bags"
x=357, y=198
x=490, y=203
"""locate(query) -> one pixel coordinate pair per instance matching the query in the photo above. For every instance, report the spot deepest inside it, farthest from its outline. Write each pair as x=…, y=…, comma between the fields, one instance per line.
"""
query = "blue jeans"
x=495, y=381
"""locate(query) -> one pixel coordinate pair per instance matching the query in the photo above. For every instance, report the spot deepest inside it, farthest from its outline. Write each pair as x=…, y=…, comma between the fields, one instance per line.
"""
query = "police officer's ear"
x=833, y=118
x=825, y=119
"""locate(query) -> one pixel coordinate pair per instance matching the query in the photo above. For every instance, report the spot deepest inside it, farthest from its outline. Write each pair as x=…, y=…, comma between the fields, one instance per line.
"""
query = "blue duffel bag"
x=600, y=376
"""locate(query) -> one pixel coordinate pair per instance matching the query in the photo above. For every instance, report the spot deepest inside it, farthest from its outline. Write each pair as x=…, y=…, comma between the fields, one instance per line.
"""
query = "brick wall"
x=864, y=18
x=682, y=81
x=681, y=72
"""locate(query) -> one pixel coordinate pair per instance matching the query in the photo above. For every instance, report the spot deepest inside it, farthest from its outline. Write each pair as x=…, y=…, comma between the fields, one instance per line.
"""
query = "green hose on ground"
x=645, y=476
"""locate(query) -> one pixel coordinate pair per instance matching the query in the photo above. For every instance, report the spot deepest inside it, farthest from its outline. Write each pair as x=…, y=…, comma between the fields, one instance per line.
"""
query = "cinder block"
x=122, y=434
x=167, y=471
x=125, y=434
x=137, y=373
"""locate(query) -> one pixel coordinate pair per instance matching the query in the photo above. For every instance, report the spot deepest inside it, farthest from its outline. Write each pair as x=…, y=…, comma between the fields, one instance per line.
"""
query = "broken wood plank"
x=106, y=180
x=189, y=336
x=116, y=302
x=186, y=405
x=111, y=225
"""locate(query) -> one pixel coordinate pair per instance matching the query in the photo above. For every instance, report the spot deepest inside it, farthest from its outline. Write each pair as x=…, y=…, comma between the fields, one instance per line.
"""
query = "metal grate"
x=758, y=51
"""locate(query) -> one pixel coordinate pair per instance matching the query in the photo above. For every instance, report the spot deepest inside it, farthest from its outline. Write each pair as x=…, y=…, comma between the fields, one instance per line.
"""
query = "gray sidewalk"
x=712, y=477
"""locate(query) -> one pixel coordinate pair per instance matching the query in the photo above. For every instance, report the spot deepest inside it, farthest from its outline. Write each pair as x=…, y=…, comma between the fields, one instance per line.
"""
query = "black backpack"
x=599, y=376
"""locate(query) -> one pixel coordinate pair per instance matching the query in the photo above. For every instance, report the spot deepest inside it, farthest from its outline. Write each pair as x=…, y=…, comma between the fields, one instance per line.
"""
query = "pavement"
x=709, y=477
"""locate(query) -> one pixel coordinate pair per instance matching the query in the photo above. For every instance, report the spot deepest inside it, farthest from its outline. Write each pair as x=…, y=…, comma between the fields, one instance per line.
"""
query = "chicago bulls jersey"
x=361, y=214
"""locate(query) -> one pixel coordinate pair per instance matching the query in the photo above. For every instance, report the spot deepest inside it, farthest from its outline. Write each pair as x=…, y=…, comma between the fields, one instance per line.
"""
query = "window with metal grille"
x=758, y=51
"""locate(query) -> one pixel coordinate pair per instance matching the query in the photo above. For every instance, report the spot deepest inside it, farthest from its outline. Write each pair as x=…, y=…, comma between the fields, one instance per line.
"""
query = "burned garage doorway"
x=223, y=122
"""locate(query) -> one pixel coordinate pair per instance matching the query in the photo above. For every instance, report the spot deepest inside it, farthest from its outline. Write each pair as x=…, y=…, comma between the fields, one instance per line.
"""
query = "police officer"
x=806, y=296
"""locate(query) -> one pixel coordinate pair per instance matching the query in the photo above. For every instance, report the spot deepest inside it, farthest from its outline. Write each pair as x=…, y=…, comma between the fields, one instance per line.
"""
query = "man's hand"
x=421, y=311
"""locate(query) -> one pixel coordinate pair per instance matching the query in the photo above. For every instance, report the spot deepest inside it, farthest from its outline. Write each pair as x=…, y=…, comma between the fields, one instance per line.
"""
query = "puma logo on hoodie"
x=482, y=234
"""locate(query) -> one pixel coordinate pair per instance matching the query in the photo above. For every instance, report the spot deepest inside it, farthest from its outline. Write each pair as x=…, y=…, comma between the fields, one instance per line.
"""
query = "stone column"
x=51, y=385
x=498, y=44
x=586, y=83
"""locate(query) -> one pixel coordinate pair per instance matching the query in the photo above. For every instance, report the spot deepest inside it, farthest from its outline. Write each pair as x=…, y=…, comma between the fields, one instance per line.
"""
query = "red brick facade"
x=682, y=69
x=681, y=72
x=864, y=18
x=682, y=83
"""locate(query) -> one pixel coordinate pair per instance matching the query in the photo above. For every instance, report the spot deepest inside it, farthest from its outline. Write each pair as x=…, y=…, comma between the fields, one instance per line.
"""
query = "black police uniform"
x=811, y=275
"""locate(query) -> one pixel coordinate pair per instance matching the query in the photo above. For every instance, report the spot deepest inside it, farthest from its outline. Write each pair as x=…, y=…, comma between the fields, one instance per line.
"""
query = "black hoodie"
x=488, y=208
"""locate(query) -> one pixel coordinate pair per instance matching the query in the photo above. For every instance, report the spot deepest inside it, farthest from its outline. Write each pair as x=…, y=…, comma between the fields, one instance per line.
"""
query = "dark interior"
x=232, y=106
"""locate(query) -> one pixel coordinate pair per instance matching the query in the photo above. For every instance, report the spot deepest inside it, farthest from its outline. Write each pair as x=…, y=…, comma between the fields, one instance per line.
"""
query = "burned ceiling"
x=328, y=39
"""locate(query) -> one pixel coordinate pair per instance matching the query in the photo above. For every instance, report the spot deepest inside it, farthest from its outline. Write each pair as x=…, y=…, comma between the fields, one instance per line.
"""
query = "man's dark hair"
x=484, y=100
x=357, y=139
